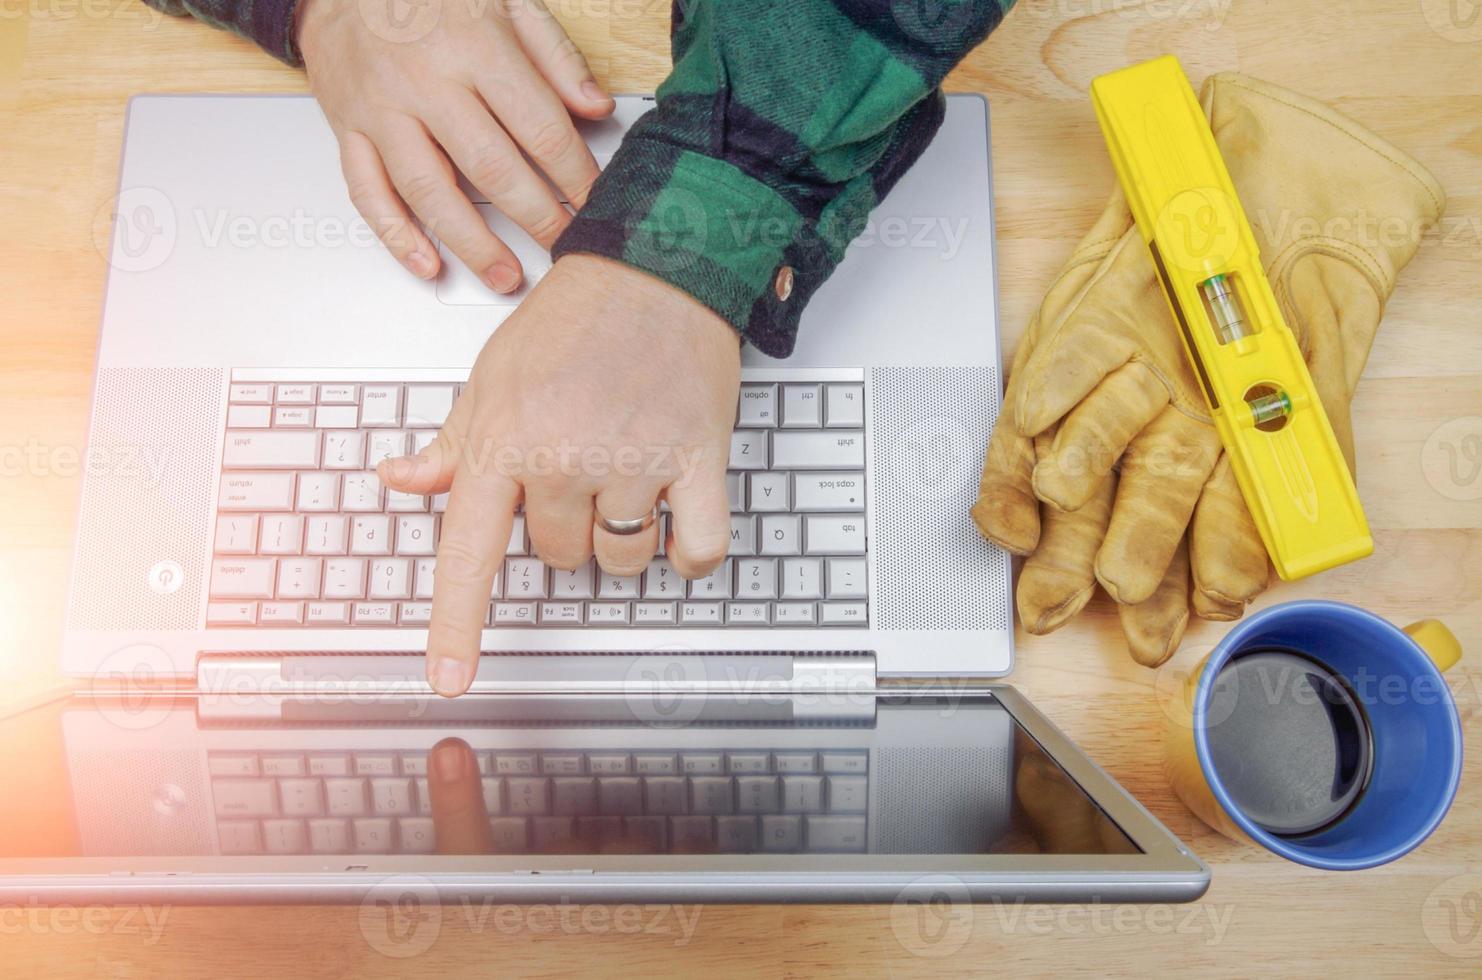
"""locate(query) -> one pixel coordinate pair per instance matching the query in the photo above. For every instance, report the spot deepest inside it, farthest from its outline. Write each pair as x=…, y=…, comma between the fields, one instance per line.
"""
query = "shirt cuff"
x=272, y=27
x=704, y=226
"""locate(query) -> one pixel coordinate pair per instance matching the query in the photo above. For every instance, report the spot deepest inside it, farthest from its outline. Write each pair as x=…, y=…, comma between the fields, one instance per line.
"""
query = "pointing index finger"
x=470, y=553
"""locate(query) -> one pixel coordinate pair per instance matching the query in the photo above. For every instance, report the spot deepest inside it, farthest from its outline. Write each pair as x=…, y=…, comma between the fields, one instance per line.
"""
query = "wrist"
x=307, y=16
x=645, y=297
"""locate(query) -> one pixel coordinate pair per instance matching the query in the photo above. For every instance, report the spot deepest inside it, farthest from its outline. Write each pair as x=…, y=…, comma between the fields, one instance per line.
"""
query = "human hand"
x=604, y=390
x=470, y=84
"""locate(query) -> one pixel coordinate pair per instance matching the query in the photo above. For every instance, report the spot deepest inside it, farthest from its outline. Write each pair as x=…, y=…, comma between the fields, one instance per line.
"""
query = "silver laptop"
x=249, y=605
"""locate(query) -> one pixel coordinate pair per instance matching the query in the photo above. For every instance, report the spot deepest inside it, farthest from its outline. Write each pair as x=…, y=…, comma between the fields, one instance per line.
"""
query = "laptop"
x=248, y=605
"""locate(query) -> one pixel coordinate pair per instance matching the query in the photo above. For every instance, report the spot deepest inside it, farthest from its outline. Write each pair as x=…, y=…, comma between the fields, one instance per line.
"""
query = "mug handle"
x=1438, y=642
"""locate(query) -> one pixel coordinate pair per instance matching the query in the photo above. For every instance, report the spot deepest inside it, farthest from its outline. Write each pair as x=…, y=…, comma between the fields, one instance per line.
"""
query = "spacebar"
x=565, y=672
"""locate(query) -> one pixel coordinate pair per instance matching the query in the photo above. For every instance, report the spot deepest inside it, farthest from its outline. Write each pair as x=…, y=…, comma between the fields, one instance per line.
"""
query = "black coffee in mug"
x=1291, y=742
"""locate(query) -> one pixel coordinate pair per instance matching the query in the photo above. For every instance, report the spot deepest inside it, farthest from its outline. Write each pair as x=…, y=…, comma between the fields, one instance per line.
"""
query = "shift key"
x=274, y=449
x=836, y=450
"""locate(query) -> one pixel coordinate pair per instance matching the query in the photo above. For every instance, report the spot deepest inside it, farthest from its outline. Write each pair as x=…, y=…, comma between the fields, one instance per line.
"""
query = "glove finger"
x=1229, y=561
x=1059, y=579
x=1212, y=609
x=1155, y=627
x=1096, y=335
x=1006, y=512
x=1095, y=434
x=1163, y=473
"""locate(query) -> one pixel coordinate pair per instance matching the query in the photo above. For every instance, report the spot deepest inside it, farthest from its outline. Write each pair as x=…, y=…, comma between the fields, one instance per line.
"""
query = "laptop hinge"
x=764, y=687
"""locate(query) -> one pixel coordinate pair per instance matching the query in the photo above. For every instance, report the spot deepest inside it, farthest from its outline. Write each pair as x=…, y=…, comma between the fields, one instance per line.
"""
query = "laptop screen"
x=924, y=775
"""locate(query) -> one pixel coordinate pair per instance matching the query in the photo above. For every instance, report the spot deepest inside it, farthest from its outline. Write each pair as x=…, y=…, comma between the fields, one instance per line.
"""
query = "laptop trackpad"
x=457, y=285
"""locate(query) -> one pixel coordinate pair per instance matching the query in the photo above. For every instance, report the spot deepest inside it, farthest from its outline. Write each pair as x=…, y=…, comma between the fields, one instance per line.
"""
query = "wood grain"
x=67, y=68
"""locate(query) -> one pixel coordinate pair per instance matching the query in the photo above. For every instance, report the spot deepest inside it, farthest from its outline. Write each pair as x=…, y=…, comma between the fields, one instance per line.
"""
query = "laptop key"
x=830, y=535
x=802, y=794
x=245, y=797
x=327, y=614
x=818, y=450
x=756, y=794
x=711, y=794
x=231, y=613
x=301, y=797
x=418, y=835
x=802, y=407
x=255, y=492
x=848, y=794
x=232, y=765
x=510, y=835
x=284, y=837
x=620, y=796
x=372, y=835
x=842, y=614
x=284, y=449
x=239, y=837
x=252, y=394
x=329, y=836
x=691, y=833
x=736, y=834
x=664, y=795
x=826, y=832
x=343, y=450
x=345, y=797
x=782, y=832
x=243, y=578
x=573, y=795
x=828, y=492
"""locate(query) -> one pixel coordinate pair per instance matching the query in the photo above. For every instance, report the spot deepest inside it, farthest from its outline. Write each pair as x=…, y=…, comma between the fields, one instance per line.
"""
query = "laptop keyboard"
x=574, y=802
x=306, y=535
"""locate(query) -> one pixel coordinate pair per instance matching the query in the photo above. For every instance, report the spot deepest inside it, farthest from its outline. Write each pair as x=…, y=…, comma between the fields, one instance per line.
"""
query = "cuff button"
x=782, y=285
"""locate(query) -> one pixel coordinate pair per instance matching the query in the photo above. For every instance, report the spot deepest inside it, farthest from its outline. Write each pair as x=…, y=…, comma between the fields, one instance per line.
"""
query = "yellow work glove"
x=1101, y=378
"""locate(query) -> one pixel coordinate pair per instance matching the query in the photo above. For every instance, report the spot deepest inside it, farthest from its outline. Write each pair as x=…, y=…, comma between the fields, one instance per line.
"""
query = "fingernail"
x=593, y=91
x=502, y=277
x=450, y=677
x=448, y=761
x=421, y=265
x=394, y=468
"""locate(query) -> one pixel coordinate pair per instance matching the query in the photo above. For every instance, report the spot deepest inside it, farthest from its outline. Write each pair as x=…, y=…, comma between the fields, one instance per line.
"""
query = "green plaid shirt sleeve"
x=781, y=126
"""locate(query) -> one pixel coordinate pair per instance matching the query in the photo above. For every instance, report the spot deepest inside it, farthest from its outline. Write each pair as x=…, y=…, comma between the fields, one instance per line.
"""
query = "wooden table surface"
x=1406, y=68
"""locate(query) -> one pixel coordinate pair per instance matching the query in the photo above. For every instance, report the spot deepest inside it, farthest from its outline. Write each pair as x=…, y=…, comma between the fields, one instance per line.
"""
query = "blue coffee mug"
x=1415, y=733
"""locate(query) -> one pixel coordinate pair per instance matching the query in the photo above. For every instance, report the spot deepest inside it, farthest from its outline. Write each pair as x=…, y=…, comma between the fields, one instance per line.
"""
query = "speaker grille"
x=947, y=801
x=934, y=570
x=140, y=803
x=146, y=498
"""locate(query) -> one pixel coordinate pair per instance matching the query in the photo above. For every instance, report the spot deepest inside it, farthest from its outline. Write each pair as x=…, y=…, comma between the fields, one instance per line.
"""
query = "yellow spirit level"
x=1281, y=446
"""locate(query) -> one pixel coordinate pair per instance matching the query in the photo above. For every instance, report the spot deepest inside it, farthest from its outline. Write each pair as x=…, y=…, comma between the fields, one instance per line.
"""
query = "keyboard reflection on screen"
x=559, y=802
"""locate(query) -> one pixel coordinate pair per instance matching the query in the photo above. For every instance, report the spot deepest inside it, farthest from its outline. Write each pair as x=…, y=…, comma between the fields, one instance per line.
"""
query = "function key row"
x=339, y=406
